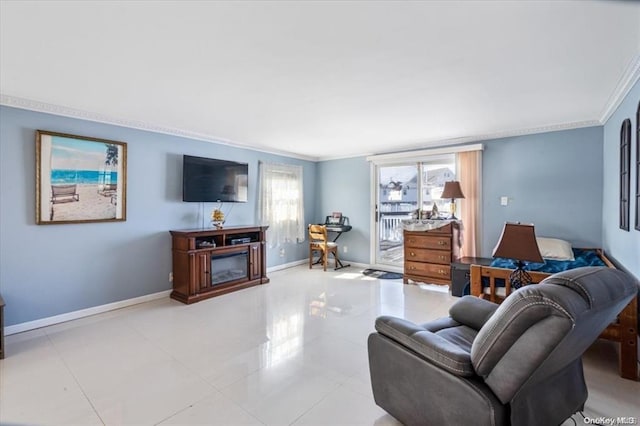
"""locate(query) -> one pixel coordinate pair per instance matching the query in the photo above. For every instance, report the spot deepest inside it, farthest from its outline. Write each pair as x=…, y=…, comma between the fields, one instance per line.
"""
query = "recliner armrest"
x=429, y=345
x=472, y=311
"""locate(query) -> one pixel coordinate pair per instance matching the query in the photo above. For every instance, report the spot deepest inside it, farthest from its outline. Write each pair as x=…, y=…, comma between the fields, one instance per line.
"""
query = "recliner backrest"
x=541, y=328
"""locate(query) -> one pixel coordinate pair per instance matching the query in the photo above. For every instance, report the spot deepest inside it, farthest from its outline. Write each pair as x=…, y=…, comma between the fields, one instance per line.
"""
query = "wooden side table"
x=460, y=274
x=1, y=328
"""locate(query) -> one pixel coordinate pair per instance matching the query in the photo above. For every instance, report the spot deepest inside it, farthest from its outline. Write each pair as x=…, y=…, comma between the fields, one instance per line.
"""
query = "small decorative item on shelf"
x=217, y=218
x=434, y=211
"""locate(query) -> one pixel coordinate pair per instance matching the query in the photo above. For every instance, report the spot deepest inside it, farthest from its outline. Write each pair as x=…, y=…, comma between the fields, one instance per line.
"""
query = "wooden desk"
x=461, y=274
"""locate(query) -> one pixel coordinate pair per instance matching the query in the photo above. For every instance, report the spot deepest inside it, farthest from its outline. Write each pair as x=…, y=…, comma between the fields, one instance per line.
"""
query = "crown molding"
x=38, y=106
x=438, y=143
x=531, y=131
x=626, y=82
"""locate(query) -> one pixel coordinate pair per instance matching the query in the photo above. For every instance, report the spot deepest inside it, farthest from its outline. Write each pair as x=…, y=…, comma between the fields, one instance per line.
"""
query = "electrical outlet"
x=504, y=201
x=282, y=252
x=170, y=277
x=345, y=249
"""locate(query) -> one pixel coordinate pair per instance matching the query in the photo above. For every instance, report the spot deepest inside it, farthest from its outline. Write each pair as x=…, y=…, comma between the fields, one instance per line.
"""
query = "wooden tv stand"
x=211, y=262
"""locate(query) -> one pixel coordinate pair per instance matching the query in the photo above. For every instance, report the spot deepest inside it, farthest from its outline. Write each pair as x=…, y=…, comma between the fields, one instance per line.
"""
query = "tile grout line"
x=338, y=386
x=220, y=395
x=75, y=379
x=214, y=388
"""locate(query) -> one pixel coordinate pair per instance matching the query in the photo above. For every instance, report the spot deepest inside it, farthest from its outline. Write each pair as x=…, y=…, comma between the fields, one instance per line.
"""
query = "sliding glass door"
x=401, y=191
x=398, y=194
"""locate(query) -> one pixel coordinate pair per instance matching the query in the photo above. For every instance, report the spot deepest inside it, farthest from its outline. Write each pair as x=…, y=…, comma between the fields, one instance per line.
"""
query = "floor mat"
x=382, y=275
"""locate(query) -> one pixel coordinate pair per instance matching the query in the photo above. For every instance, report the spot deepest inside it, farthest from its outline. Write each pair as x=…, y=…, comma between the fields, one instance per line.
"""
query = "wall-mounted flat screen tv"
x=211, y=180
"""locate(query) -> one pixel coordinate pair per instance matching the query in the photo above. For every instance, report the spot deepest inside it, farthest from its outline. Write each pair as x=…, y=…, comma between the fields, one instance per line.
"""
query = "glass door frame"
x=399, y=159
x=376, y=259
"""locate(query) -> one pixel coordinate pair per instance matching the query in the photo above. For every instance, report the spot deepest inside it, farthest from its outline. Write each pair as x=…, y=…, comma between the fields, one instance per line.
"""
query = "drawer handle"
x=442, y=257
x=441, y=243
x=443, y=272
x=412, y=254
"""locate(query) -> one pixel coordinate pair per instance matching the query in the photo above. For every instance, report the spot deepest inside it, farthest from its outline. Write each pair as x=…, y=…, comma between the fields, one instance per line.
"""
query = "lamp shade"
x=452, y=190
x=518, y=241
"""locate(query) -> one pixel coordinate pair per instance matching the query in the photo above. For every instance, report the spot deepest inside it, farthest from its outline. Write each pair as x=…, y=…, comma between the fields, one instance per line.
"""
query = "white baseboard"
x=287, y=265
x=358, y=265
x=305, y=261
x=56, y=319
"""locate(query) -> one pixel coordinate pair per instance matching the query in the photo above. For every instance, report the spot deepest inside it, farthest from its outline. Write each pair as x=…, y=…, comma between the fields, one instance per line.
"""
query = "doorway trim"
x=400, y=158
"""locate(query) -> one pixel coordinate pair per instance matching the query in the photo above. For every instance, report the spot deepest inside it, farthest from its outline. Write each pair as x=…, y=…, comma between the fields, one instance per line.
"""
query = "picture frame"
x=335, y=218
x=79, y=179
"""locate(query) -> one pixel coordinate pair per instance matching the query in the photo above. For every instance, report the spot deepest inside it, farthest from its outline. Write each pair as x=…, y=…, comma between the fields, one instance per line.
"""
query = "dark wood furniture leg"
x=629, y=341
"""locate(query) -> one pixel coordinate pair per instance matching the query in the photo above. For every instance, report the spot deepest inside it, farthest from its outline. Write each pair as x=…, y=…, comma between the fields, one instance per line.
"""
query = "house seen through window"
x=404, y=189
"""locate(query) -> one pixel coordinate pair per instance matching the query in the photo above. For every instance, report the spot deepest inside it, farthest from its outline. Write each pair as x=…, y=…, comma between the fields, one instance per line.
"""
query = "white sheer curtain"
x=280, y=203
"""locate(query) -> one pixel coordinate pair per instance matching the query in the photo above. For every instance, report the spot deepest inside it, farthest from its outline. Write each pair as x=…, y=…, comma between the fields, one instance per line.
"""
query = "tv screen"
x=211, y=180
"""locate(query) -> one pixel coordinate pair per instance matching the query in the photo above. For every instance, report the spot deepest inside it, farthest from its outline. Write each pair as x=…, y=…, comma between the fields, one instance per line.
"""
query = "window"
x=625, y=173
x=435, y=172
x=280, y=203
x=400, y=189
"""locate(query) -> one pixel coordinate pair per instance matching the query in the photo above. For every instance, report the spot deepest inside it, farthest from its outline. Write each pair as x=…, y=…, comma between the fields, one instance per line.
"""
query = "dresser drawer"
x=427, y=270
x=428, y=242
x=426, y=255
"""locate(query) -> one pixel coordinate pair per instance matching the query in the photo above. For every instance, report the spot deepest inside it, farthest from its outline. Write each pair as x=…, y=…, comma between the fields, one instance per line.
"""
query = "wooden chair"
x=318, y=241
x=64, y=193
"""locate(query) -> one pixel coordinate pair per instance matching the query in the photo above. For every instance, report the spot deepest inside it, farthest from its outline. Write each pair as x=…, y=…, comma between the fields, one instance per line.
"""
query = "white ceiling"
x=323, y=79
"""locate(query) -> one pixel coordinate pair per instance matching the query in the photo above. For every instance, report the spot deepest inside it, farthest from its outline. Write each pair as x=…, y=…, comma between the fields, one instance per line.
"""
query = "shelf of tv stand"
x=198, y=253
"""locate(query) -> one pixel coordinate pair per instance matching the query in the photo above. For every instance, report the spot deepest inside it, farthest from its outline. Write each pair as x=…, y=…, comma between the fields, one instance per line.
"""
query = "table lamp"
x=518, y=242
x=452, y=190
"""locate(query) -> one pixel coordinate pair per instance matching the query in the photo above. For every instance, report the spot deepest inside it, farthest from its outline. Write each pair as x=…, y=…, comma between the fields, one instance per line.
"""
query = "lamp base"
x=452, y=208
x=519, y=277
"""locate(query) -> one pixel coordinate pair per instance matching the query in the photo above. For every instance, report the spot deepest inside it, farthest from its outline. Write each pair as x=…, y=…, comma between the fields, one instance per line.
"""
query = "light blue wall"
x=623, y=246
x=553, y=180
x=55, y=269
x=344, y=186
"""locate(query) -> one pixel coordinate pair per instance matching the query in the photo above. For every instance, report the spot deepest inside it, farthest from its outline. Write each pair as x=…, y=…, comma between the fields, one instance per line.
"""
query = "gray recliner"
x=518, y=363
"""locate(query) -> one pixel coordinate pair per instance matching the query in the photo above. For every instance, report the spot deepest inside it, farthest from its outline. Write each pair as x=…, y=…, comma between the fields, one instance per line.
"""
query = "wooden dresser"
x=428, y=254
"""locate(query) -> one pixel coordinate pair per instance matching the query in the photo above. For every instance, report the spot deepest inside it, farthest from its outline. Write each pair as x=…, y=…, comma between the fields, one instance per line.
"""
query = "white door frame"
x=398, y=159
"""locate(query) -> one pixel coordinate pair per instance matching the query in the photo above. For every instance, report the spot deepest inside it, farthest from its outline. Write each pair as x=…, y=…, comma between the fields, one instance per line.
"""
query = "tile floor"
x=292, y=352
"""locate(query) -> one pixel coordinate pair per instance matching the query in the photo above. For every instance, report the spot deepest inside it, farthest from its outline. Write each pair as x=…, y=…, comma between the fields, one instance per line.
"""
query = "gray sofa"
x=518, y=363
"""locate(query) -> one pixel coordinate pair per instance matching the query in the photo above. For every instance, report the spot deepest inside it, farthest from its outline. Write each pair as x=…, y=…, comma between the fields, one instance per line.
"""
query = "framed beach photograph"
x=79, y=179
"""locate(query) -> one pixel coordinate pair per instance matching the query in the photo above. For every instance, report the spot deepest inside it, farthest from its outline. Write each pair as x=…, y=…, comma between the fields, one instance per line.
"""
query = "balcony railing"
x=391, y=226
